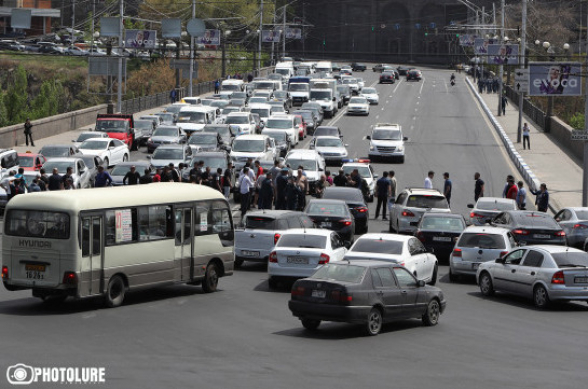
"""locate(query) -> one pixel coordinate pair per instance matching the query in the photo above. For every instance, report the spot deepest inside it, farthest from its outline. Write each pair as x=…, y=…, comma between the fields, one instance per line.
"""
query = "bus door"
x=184, y=238
x=92, y=255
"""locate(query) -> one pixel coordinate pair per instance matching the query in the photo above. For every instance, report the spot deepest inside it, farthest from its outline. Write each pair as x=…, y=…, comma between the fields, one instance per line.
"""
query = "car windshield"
x=298, y=87
x=278, y=109
x=264, y=85
x=369, y=91
x=285, y=72
x=60, y=165
x=164, y=153
x=112, y=125
x=86, y=136
x=148, y=124
x=389, y=74
x=237, y=119
x=307, y=164
x=237, y=102
x=440, y=223
x=358, y=100
x=203, y=139
x=382, y=246
x=280, y=94
x=363, y=171
x=306, y=115
x=192, y=117
x=343, y=273
x=320, y=208
x=283, y=124
x=55, y=151
x=343, y=89
x=249, y=145
x=535, y=220
x=320, y=95
x=427, y=201
x=89, y=161
x=329, y=142
x=258, y=100
x=219, y=103
x=222, y=130
x=120, y=170
x=482, y=241
x=165, y=132
x=165, y=117
x=305, y=241
x=381, y=134
x=37, y=224
x=239, y=95
x=495, y=205
x=228, y=110
x=262, y=112
x=173, y=108
x=91, y=144
x=570, y=259
x=278, y=136
x=349, y=81
x=212, y=162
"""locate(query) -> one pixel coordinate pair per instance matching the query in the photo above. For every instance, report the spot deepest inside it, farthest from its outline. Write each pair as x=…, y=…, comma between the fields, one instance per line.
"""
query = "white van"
x=263, y=110
x=324, y=66
x=194, y=118
x=233, y=85
x=285, y=69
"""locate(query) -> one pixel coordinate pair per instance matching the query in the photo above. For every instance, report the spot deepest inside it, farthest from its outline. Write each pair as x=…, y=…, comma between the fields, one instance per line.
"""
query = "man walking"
x=526, y=137
x=542, y=200
x=393, y=185
x=479, y=187
x=28, y=133
x=383, y=192
x=102, y=178
x=244, y=190
x=504, y=104
x=447, y=187
x=132, y=177
x=146, y=178
x=429, y=180
x=521, y=197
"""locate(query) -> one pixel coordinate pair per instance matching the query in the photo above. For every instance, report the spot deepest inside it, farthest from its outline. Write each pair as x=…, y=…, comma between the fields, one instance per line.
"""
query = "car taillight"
x=341, y=296
x=361, y=209
x=560, y=233
x=324, y=259
x=457, y=253
x=558, y=278
x=420, y=236
x=519, y=231
x=273, y=257
x=276, y=237
x=475, y=215
x=346, y=222
x=503, y=253
x=580, y=226
x=70, y=278
x=297, y=291
x=407, y=214
x=5, y=272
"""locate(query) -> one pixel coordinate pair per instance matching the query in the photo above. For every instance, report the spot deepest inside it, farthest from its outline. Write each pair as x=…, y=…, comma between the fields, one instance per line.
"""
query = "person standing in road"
x=227, y=183
x=542, y=200
x=383, y=192
x=102, y=178
x=479, y=188
x=244, y=190
x=526, y=136
x=513, y=190
x=132, y=177
x=447, y=187
x=429, y=180
x=281, y=189
x=68, y=182
x=146, y=178
x=340, y=180
x=55, y=182
x=28, y=133
x=508, y=185
x=521, y=197
x=504, y=102
x=393, y=186
x=266, y=192
x=157, y=175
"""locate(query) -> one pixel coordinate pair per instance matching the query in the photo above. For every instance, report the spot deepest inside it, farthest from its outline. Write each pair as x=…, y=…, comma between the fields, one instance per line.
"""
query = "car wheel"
x=125, y=158
x=115, y=292
x=272, y=283
x=106, y=165
x=485, y=284
x=392, y=227
x=374, y=322
x=210, y=279
x=311, y=324
x=540, y=297
x=434, y=278
x=239, y=262
x=431, y=316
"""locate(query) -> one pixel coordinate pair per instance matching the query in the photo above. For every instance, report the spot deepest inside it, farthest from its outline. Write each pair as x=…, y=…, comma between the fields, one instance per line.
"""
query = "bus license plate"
x=581, y=280
x=319, y=293
x=34, y=272
x=37, y=268
x=297, y=260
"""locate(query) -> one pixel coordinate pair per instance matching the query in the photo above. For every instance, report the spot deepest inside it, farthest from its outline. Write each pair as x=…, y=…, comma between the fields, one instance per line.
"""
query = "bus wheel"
x=115, y=293
x=210, y=279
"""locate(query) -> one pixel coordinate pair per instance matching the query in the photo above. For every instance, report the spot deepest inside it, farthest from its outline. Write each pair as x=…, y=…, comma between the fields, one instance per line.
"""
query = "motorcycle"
x=452, y=82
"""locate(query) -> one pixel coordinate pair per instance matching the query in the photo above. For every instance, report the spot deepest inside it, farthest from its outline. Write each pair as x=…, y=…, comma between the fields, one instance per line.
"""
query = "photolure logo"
x=21, y=374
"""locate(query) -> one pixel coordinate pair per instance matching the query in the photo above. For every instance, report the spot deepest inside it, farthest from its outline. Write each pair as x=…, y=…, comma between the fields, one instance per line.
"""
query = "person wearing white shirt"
x=429, y=180
x=245, y=185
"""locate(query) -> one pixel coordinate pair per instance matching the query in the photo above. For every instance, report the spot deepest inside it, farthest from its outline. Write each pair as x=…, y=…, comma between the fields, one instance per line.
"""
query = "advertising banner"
x=210, y=37
x=467, y=39
x=140, y=39
x=503, y=54
x=293, y=33
x=481, y=45
x=552, y=78
x=269, y=36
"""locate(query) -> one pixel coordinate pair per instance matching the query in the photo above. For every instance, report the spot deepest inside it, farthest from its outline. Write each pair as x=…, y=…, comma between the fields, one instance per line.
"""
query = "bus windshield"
x=37, y=224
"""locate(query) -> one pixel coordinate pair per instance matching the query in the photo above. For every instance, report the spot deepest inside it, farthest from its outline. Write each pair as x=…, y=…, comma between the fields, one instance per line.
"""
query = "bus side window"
x=85, y=237
x=202, y=224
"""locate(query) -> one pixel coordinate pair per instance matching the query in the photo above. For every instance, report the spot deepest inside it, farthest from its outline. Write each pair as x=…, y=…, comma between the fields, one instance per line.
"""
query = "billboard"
x=140, y=39
x=293, y=33
x=481, y=45
x=268, y=36
x=467, y=39
x=210, y=37
x=552, y=78
x=503, y=54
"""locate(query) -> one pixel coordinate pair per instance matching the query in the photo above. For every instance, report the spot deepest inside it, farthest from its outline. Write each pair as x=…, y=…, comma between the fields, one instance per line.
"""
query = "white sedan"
x=371, y=94
x=300, y=252
x=358, y=106
x=112, y=151
x=402, y=249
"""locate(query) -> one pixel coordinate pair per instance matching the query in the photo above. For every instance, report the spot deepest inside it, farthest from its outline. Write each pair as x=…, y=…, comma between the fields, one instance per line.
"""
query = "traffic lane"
x=178, y=335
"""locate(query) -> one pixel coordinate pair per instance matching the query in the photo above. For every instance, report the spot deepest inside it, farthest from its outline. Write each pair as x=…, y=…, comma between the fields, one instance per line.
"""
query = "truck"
x=118, y=126
x=324, y=91
x=299, y=88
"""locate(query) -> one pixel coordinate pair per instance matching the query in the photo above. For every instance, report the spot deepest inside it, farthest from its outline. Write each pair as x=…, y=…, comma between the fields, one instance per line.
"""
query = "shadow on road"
x=337, y=331
x=521, y=302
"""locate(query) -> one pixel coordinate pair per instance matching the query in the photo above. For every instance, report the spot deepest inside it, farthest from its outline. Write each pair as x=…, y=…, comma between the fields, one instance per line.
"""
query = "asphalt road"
x=243, y=336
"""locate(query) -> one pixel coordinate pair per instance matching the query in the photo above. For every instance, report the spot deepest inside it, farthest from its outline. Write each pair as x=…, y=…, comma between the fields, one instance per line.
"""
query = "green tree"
x=47, y=102
x=16, y=98
x=3, y=113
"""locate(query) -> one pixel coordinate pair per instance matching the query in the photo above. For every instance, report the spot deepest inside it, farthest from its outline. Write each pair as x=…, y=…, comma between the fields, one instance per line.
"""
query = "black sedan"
x=365, y=292
x=531, y=227
x=439, y=231
x=402, y=70
x=356, y=203
x=358, y=67
x=387, y=77
x=332, y=215
x=414, y=74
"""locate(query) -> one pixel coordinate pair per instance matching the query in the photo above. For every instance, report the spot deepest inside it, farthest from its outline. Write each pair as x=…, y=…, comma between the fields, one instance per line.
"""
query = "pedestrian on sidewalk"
x=28, y=133
x=383, y=192
x=479, y=187
x=172, y=96
x=447, y=187
x=504, y=104
x=480, y=85
x=216, y=86
x=542, y=200
x=526, y=138
x=429, y=180
x=521, y=197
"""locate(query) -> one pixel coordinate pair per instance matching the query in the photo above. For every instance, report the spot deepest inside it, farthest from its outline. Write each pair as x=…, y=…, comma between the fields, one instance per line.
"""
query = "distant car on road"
x=411, y=204
x=574, y=222
x=531, y=227
x=439, y=231
x=488, y=207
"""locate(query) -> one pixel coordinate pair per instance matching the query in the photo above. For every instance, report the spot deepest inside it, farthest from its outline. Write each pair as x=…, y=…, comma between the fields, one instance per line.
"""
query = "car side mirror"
x=376, y=175
x=347, y=244
x=470, y=205
x=499, y=260
x=420, y=283
x=347, y=145
x=405, y=139
x=334, y=99
x=369, y=137
x=73, y=141
x=149, y=156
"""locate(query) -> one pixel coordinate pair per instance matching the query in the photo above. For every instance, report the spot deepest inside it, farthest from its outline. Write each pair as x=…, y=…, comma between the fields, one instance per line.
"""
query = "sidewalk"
x=550, y=163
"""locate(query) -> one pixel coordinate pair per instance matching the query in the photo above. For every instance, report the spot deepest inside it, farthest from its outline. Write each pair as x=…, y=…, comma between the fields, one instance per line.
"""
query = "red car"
x=301, y=124
x=30, y=161
x=387, y=77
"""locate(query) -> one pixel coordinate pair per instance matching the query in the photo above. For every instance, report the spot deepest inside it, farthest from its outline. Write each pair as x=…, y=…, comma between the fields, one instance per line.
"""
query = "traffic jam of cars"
x=319, y=245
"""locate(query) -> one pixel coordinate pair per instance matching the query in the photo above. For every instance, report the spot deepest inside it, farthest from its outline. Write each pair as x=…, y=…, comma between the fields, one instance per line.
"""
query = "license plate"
x=39, y=268
x=326, y=224
x=541, y=236
x=442, y=238
x=581, y=280
x=475, y=266
x=319, y=293
x=250, y=253
x=297, y=260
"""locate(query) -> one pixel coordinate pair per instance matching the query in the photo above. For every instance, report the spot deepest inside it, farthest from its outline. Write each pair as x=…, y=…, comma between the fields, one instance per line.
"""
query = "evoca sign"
x=551, y=78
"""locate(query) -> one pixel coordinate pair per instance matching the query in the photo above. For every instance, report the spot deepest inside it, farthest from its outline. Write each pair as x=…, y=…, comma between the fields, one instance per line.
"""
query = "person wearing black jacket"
x=132, y=177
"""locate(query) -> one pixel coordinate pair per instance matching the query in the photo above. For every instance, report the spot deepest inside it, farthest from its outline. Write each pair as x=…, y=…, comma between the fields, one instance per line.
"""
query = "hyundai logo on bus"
x=34, y=243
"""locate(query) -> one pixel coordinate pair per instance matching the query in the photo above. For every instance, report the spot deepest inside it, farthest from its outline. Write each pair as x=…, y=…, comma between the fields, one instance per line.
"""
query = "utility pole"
x=522, y=55
x=585, y=164
x=274, y=29
x=260, y=34
x=93, y=27
x=284, y=33
x=120, y=58
x=501, y=66
x=73, y=22
x=303, y=23
x=192, y=48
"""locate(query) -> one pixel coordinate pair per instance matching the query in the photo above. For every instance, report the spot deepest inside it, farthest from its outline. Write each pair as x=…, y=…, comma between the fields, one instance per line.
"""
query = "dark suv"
x=358, y=67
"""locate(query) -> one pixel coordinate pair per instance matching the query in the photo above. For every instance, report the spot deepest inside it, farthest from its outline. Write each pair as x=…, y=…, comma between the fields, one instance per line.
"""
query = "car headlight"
x=149, y=140
x=372, y=147
x=400, y=148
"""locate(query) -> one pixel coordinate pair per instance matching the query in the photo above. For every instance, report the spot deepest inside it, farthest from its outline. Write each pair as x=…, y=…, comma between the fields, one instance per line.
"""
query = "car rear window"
x=452, y=224
x=494, y=205
x=482, y=241
x=535, y=220
x=427, y=201
x=260, y=223
x=345, y=195
x=305, y=241
x=381, y=246
x=343, y=273
x=571, y=259
x=327, y=209
x=582, y=215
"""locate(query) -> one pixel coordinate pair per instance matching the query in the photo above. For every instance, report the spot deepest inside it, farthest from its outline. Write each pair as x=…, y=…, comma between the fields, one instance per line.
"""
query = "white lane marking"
x=377, y=117
x=422, y=85
x=446, y=89
x=412, y=127
x=399, y=82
